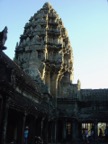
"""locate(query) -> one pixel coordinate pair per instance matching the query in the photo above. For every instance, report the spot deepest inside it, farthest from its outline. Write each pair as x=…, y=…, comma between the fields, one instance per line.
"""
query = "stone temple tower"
x=45, y=52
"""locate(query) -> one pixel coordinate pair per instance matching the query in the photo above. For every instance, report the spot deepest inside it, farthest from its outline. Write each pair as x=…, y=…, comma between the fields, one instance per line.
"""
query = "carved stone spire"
x=45, y=51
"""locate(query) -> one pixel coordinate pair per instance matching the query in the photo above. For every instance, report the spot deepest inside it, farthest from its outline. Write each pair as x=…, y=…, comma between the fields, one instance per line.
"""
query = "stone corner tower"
x=44, y=50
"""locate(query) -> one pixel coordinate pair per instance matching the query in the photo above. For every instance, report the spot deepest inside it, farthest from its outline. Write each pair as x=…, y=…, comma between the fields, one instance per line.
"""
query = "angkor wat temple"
x=37, y=89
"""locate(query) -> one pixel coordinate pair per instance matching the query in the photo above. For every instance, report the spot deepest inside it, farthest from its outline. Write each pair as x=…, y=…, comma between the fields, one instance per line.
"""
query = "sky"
x=87, y=24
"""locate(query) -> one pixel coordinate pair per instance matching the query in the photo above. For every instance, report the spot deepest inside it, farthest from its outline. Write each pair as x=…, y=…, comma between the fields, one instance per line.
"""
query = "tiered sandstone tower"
x=45, y=51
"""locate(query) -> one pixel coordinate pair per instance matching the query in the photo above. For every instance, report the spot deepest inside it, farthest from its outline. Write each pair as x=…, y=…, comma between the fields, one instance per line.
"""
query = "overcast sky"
x=87, y=24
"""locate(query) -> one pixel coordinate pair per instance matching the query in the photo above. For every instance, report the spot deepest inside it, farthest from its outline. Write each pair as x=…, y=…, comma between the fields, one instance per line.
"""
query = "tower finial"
x=47, y=5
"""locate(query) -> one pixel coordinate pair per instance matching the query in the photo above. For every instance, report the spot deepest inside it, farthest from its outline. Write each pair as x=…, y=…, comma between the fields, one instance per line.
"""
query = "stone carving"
x=3, y=38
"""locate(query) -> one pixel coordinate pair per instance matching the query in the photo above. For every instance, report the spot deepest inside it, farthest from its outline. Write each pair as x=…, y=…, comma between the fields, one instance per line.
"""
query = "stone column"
x=42, y=125
x=23, y=126
x=52, y=130
x=74, y=130
x=4, y=120
x=45, y=131
x=96, y=130
x=64, y=130
x=20, y=127
x=32, y=129
x=79, y=130
x=38, y=126
x=55, y=131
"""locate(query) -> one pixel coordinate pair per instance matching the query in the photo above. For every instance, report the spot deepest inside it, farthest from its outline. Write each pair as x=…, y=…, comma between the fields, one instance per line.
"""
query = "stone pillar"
x=64, y=130
x=38, y=126
x=55, y=131
x=96, y=130
x=74, y=130
x=52, y=126
x=15, y=134
x=42, y=125
x=32, y=129
x=79, y=130
x=4, y=120
x=21, y=127
x=45, y=131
